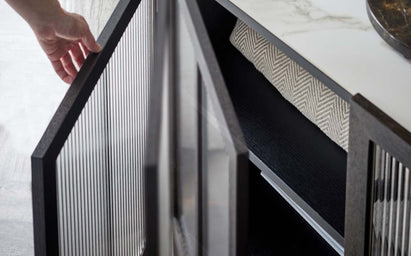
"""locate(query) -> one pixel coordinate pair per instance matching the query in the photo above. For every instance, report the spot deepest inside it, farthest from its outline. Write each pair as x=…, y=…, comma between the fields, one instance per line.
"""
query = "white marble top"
x=338, y=38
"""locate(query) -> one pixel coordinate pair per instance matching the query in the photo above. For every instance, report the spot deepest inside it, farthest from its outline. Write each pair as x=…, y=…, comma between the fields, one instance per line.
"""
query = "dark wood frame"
x=368, y=126
x=44, y=190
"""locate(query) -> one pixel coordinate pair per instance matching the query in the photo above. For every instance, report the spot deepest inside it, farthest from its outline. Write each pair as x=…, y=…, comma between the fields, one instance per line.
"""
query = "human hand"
x=66, y=39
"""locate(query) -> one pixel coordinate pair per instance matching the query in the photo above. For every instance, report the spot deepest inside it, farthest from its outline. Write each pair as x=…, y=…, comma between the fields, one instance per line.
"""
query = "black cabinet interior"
x=275, y=228
x=275, y=131
x=288, y=143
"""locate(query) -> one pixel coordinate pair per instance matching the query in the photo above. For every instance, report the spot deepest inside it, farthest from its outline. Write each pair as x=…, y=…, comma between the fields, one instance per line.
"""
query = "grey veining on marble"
x=310, y=17
x=337, y=37
x=30, y=93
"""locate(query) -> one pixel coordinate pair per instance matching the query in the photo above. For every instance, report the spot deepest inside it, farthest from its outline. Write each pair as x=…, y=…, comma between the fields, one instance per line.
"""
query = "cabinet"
x=169, y=141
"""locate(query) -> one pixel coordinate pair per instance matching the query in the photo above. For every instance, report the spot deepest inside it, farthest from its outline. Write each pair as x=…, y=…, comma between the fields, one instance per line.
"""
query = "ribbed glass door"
x=100, y=168
x=88, y=169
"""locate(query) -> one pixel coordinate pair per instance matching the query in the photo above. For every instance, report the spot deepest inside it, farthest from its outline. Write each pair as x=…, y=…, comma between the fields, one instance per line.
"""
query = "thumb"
x=90, y=43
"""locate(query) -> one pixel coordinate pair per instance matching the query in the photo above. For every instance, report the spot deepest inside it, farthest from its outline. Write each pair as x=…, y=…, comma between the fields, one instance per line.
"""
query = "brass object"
x=392, y=20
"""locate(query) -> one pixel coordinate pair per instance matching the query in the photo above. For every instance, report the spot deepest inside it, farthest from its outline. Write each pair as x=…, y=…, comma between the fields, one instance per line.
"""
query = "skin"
x=65, y=37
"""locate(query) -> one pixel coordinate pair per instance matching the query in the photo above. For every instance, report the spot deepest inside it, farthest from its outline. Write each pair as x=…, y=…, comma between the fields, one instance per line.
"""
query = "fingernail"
x=99, y=48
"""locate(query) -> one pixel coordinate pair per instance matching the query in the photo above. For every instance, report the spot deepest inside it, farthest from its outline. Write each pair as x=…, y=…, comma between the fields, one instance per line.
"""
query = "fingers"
x=65, y=68
x=89, y=42
x=56, y=48
x=61, y=72
x=77, y=56
x=85, y=51
x=74, y=27
x=68, y=65
x=69, y=45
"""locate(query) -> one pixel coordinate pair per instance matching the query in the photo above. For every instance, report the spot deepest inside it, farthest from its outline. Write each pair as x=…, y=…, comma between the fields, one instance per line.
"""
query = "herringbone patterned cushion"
x=311, y=97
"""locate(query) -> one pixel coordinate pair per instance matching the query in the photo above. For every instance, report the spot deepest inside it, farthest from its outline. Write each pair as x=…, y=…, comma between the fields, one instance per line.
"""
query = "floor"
x=30, y=93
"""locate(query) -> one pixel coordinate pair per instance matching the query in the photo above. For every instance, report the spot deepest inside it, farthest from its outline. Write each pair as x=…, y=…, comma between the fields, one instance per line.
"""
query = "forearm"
x=37, y=13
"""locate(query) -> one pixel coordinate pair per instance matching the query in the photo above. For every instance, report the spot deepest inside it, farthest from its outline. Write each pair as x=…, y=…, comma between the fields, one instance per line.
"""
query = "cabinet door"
x=211, y=188
x=87, y=170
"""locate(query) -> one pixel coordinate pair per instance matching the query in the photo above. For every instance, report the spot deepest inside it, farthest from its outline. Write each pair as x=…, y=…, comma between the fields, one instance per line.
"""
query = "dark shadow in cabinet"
x=276, y=132
x=275, y=228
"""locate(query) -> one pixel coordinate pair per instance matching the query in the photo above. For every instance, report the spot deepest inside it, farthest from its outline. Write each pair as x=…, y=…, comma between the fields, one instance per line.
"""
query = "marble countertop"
x=338, y=38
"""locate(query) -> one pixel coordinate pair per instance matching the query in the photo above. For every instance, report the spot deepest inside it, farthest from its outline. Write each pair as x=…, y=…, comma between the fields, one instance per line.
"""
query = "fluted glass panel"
x=391, y=206
x=99, y=170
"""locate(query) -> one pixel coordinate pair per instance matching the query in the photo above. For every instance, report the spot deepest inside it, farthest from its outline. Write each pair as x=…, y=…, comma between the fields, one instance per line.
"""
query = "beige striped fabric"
x=310, y=96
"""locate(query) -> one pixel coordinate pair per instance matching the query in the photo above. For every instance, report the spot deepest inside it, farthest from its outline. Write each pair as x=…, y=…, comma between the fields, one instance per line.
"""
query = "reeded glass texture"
x=390, y=227
x=100, y=168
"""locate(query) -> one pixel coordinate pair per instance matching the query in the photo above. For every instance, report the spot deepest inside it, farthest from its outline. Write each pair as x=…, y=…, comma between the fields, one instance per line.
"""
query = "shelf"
x=275, y=228
x=335, y=41
x=288, y=143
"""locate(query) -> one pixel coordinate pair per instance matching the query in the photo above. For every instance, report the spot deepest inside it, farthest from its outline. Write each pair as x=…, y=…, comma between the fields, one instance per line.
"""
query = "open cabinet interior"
x=283, y=144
